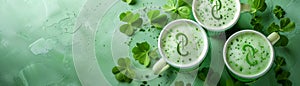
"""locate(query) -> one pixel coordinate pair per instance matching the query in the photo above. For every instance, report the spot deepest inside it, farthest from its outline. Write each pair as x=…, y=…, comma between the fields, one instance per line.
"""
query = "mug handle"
x=160, y=66
x=273, y=37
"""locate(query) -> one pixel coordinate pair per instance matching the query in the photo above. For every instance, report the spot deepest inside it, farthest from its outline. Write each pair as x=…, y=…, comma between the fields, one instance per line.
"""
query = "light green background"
x=38, y=46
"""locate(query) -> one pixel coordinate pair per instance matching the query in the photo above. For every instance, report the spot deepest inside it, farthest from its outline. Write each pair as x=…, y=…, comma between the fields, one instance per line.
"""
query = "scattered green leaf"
x=280, y=61
x=283, y=75
x=257, y=5
x=184, y=12
x=130, y=2
x=285, y=82
x=170, y=6
x=179, y=7
x=137, y=23
x=141, y=53
x=129, y=17
x=123, y=72
x=133, y=21
x=278, y=12
x=157, y=20
x=256, y=20
x=273, y=28
x=286, y=25
x=153, y=14
x=283, y=41
x=127, y=29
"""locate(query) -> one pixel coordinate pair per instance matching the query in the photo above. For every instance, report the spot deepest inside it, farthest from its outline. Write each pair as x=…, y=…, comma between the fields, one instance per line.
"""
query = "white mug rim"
x=200, y=58
x=222, y=28
x=253, y=76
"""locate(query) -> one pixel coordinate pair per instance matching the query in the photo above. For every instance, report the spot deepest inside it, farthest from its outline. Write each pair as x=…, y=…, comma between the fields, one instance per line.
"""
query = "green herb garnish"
x=141, y=53
x=257, y=5
x=178, y=8
x=281, y=74
x=133, y=21
x=123, y=72
x=279, y=12
x=157, y=20
x=130, y=2
x=286, y=25
x=283, y=41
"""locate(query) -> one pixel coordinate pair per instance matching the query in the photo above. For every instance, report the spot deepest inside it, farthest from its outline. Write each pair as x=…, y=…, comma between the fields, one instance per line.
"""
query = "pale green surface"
x=36, y=43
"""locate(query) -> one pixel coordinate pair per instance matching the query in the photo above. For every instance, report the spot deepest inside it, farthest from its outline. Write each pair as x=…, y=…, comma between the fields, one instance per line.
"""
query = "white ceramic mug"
x=248, y=54
x=182, y=44
x=218, y=15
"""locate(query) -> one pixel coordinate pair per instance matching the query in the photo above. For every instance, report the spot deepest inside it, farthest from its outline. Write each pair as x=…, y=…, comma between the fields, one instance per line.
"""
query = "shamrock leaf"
x=278, y=12
x=283, y=41
x=124, y=62
x=283, y=75
x=257, y=5
x=137, y=23
x=129, y=17
x=273, y=28
x=256, y=20
x=158, y=21
x=170, y=6
x=286, y=25
x=285, y=82
x=141, y=53
x=184, y=11
x=133, y=21
x=127, y=29
x=179, y=7
x=130, y=2
x=123, y=72
x=153, y=14
x=280, y=61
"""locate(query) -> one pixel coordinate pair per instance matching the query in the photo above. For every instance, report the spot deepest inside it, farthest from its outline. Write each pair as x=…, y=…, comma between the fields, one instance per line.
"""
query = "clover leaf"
x=133, y=21
x=141, y=53
x=130, y=2
x=179, y=7
x=184, y=12
x=283, y=41
x=280, y=61
x=127, y=29
x=170, y=6
x=129, y=17
x=286, y=25
x=123, y=72
x=257, y=5
x=157, y=20
x=285, y=82
x=273, y=28
x=278, y=12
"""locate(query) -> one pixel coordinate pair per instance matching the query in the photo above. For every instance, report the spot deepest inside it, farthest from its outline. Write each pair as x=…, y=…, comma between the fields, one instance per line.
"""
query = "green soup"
x=216, y=13
x=248, y=53
x=182, y=44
